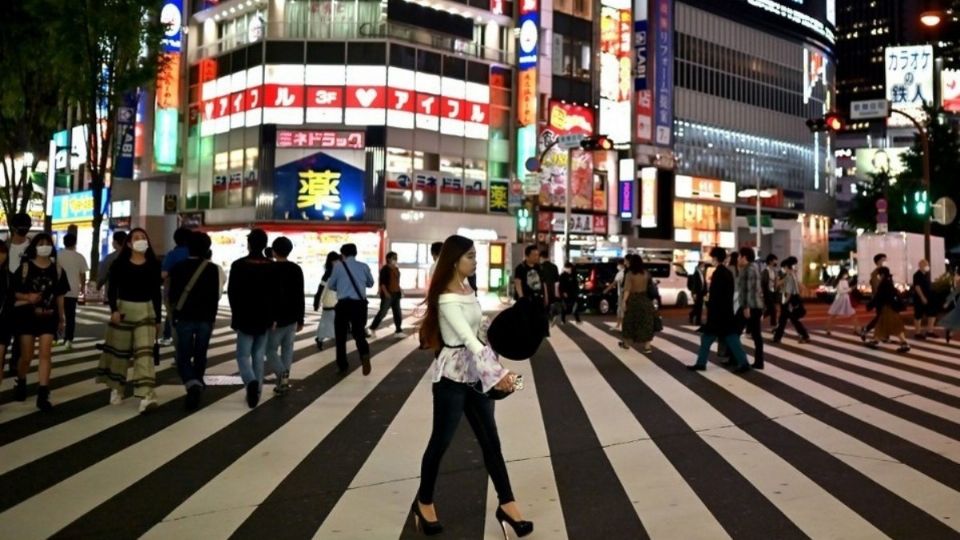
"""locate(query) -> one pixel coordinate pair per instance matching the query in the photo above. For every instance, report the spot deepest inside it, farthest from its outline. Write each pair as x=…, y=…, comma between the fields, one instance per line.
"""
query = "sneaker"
x=399, y=333
x=371, y=333
x=148, y=404
x=863, y=335
x=283, y=384
x=68, y=345
x=803, y=340
x=903, y=348
x=165, y=342
x=253, y=394
x=116, y=397
x=742, y=369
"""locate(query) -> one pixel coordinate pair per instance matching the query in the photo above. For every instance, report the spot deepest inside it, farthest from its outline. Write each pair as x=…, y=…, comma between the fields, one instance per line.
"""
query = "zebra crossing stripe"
x=911, y=486
x=208, y=440
x=586, y=479
x=918, y=410
x=768, y=468
x=921, y=360
x=251, y=477
x=676, y=510
x=340, y=454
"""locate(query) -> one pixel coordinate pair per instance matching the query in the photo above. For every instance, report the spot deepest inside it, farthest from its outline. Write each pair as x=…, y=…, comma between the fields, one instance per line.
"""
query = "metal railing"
x=329, y=30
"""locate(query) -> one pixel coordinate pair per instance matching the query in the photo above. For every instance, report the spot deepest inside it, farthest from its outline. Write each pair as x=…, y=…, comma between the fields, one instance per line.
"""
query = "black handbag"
x=797, y=308
x=657, y=323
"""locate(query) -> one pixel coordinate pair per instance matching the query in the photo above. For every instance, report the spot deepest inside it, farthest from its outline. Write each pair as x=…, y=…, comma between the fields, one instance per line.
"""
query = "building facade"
x=386, y=124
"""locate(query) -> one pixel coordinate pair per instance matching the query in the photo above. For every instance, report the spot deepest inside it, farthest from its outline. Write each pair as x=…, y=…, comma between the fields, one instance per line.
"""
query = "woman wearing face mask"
x=38, y=287
x=134, y=296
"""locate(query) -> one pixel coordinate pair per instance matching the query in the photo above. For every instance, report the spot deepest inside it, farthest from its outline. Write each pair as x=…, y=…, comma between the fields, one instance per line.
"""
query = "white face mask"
x=140, y=246
x=44, y=251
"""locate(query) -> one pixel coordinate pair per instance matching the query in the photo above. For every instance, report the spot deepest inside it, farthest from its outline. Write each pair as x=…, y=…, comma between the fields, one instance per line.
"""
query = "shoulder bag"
x=193, y=281
x=363, y=297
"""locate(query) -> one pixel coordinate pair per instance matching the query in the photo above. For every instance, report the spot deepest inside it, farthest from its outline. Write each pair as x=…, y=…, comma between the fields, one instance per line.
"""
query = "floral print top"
x=464, y=357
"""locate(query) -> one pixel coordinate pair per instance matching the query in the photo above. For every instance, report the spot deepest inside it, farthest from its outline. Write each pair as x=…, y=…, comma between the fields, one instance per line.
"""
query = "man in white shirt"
x=74, y=265
x=19, y=229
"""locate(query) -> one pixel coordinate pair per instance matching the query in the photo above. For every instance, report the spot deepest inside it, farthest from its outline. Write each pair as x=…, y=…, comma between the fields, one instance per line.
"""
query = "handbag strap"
x=346, y=268
x=193, y=281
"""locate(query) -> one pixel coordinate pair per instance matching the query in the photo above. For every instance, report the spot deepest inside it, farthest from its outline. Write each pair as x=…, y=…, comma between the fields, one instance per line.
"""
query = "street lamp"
x=932, y=15
x=758, y=194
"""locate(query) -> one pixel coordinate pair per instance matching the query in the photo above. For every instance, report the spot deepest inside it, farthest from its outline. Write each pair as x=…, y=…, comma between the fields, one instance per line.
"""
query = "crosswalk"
x=830, y=440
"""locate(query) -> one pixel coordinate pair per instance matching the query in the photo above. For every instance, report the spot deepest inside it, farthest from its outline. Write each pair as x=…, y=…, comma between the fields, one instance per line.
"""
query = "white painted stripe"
x=917, y=488
x=35, y=446
x=250, y=479
x=388, y=480
x=523, y=439
x=940, y=353
x=676, y=511
x=811, y=508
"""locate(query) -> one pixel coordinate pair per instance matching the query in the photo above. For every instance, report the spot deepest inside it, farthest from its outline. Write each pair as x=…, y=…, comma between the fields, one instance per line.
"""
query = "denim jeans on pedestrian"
x=733, y=343
x=250, y=354
x=193, y=340
x=281, y=338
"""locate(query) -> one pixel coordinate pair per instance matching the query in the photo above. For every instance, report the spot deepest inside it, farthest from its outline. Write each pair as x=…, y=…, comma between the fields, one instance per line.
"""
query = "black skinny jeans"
x=451, y=400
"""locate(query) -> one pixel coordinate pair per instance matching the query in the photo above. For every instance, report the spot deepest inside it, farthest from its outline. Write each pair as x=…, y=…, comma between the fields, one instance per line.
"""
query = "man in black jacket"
x=697, y=283
x=721, y=323
x=570, y=293
x=250, y=291
x=194, y=302
x=288, y=312
x=390, y=295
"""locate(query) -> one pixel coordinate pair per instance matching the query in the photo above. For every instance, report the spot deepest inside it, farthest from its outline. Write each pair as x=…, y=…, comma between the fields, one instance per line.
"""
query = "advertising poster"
x=950, y=83
x=663, y=47
x=581, y=179
x=599, y=192
x=909, y=78
x=318, y=187
x=563, y=119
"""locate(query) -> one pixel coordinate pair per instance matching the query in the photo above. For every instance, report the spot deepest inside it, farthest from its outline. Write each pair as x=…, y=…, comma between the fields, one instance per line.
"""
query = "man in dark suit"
x=697, y=283
x=721, y=323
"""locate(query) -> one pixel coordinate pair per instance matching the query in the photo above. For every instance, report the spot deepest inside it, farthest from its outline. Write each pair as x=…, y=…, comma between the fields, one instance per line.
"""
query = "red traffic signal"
x=829, y=122
x=597, y=142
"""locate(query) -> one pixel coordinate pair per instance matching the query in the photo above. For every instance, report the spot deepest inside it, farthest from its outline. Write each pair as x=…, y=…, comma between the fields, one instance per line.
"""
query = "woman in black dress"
x=38, y=286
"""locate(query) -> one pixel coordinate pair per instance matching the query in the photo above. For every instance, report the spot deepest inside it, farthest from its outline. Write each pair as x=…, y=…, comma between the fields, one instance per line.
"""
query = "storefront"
x=412, y=232
x=314, y=194
x=76, y=210
x=703, y=212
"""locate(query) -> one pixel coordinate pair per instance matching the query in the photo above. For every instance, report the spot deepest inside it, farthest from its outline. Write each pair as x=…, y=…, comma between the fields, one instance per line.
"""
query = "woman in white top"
x=841, y=306
x=463, y=370
x=326, y=298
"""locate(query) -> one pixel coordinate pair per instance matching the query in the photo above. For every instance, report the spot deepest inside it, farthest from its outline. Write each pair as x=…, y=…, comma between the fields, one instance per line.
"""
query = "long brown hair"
x=454, y=247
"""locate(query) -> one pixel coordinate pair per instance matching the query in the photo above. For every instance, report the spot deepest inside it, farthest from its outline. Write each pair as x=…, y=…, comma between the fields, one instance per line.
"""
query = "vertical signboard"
x=126, y=136
x=166, y=114
x=527, y=56
x=909, y=78
x=641, y=76
x=950, y=90
x=615, y=70
x=663, y=64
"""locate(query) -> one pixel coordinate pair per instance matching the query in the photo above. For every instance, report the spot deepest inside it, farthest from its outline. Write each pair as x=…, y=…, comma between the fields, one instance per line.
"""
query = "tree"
x=30, y=101
x=103, y=49
x=944, y=164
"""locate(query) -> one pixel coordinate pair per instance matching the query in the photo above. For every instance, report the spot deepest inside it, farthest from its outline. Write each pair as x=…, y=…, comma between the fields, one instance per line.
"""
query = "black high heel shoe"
x=520, y=528
x=428, y=528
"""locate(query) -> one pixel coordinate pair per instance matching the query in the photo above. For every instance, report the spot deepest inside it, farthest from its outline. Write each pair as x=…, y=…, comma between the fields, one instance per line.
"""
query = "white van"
x=671, y=279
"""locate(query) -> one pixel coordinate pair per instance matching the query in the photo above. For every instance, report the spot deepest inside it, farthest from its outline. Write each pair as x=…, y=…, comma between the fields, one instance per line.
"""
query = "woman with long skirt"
x=842, y=306
x=889, y=322
x=134, y=296
x=638, y=309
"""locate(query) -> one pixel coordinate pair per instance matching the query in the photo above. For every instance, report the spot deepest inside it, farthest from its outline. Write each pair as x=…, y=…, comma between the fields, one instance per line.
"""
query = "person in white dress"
x=326, y=299
x=842, y=306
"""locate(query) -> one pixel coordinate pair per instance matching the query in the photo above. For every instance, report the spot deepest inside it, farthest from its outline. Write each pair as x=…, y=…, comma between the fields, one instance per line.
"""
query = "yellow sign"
x=319, y=190
x=499, y=197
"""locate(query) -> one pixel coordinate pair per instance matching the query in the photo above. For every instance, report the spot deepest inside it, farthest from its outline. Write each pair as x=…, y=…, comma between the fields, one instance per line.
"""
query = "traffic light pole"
x=925, y=143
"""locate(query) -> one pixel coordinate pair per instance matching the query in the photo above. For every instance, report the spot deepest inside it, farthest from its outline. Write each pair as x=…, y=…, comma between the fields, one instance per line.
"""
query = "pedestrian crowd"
x=40, y=289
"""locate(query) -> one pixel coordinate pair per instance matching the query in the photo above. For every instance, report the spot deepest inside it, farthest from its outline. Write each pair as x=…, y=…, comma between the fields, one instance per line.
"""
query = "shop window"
x=221, y=179
x=451, y=183
x=475, y=185
x=235, y=189
x=251, y=179
x=402, y=166
x=205, y=173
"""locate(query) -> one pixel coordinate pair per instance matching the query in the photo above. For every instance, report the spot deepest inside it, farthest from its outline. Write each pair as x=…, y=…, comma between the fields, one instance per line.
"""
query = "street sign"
x=944, y=211
x=531, y=184
x=570, y=141
x=870, y=109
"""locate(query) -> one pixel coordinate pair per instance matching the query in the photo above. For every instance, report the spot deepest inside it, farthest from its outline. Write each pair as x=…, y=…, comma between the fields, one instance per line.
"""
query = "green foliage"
x=944, y=166
x=30, y=99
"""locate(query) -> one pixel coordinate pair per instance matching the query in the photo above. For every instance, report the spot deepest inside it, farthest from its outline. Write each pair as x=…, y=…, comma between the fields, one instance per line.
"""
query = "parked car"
x=671, y=281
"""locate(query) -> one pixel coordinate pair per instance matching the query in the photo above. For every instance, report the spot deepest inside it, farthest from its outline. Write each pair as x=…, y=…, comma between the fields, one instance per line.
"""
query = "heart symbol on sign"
x=366, y=96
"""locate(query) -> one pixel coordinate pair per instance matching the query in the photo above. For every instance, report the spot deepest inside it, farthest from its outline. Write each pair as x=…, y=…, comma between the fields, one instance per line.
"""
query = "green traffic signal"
x=921, y=203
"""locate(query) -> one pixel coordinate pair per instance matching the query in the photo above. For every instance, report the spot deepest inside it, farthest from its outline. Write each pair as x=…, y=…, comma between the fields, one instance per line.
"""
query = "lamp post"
x=758, y=194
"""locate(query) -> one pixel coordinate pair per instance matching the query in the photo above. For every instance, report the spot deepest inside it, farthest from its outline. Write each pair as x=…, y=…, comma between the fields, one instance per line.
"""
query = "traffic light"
x=597, y=142
x=829, y=122
x=916, y=203
x=524, y=223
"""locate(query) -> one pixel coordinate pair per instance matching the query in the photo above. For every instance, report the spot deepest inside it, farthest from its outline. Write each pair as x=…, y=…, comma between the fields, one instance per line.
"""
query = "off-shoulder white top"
x=464, y=357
